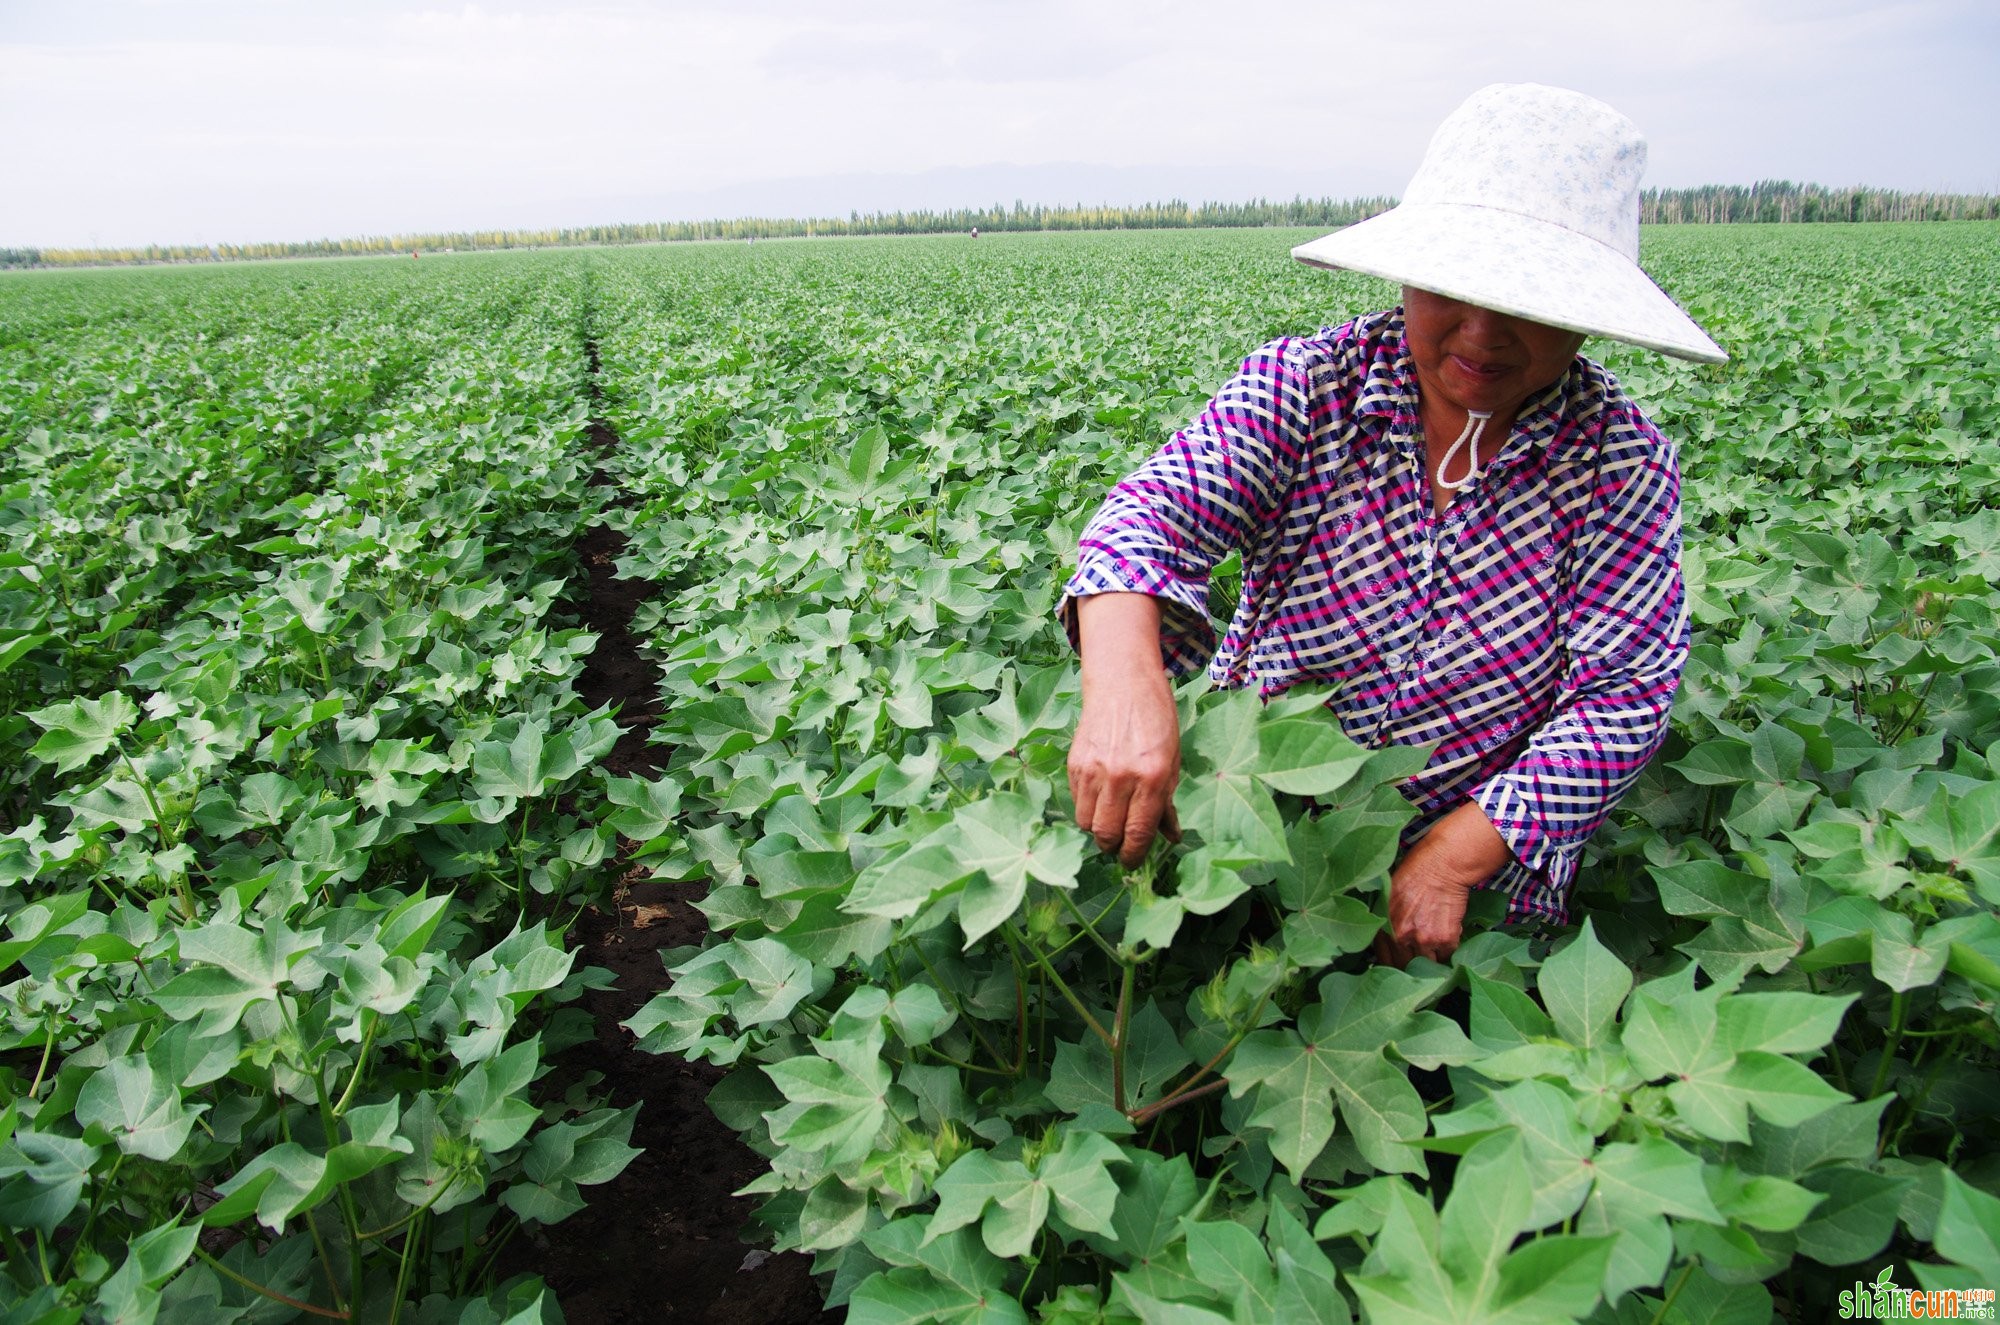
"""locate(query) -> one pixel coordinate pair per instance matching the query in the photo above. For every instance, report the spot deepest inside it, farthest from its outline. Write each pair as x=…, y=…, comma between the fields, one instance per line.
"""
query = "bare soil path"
x=663, y=1241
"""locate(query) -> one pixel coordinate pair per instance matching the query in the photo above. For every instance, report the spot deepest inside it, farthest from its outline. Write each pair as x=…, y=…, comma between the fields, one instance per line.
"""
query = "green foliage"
x=290, y=735
x=1765, y=1056
x=300, y=796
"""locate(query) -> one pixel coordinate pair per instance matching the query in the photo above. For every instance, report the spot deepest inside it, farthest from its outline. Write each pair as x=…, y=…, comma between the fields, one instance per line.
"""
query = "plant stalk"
x=271, y=1293
x=1014, y=937
x=1899, y=1008
x=1120, y=1037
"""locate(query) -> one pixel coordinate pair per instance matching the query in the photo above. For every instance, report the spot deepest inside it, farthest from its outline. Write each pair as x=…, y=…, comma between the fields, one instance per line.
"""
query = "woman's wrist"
x=1463, y=849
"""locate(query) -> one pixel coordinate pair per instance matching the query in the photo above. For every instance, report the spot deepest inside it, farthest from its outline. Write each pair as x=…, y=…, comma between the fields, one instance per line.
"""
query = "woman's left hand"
x=1429, y=887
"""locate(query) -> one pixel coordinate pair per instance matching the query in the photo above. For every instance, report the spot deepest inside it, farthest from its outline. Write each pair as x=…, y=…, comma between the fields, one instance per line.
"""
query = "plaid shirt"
x=1536, y=630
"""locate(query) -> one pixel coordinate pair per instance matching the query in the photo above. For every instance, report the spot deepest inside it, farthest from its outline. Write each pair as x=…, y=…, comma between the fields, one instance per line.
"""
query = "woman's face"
x=1476, y=359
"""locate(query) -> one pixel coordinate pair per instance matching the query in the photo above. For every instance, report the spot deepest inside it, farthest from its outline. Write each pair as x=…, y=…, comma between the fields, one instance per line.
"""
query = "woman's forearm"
x=1126, y=758
x=1119, y=637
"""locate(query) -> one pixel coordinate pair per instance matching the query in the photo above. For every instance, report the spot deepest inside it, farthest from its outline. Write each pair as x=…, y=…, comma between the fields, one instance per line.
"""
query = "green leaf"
x=1461, y=1268
x=867, y=455
x=1706, y=1300
x=999, y=843
x=41, y=1178
x=40, y=921
x=1080, y=1181
x=132, y=1294
x=1751, y=927
x=1777, y=1089
x=490, y=1100
x=233, y=968
x=1228, y=1258
x=1961, y=832
x=775, y=980
x=1899, y=959
x=1846, y=1131
x=647, y=807
x=1642, y=1246
x=975, y=1181
x=1323, y=918
x=1968, y=1229
x=837, y=1100
x=1718, y=763
x=1155, y=1310
x=824, y=934
x=407, y=928
x=1307, y=756
x=591, y=1149
x=1556, y=1145
x=274, y=1186
x=1654, y=1177
x=1308, y=1292
x=834, y=1215
x=1783, y=1022
x=1584, y=985
x=916, y=1297
x=1504, y=1017
x=1856, y=1218
x=521, y=769
x=1760, y=1202
x=1013, y=1201
x=142, y=1111
x=1153, y=1194
x=993, y=846
x=1337, y=1051
x=1220, y=795
x=1672, y=1031
x=76, y=731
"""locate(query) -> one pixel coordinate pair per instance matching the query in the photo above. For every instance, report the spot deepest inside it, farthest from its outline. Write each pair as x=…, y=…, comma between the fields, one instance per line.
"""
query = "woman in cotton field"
x=1443, y=509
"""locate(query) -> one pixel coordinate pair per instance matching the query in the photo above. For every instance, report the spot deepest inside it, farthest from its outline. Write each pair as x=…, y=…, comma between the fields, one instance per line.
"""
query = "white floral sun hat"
x=1527, y=202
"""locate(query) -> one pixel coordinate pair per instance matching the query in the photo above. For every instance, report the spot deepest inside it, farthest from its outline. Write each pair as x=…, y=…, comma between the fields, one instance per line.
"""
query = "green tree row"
x=1769, y=200
x=1781, y=200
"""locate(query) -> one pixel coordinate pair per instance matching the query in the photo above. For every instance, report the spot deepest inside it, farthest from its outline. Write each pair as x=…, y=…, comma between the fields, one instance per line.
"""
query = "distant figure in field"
x=975, y=232
x=413, y=255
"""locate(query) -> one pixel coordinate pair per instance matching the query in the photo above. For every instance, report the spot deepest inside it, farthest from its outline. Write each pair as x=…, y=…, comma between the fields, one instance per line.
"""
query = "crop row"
x=290, y=723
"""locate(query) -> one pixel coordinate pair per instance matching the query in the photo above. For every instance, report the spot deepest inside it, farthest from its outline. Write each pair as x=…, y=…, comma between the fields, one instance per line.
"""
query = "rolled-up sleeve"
x=1625, y=627
x=1207, y=492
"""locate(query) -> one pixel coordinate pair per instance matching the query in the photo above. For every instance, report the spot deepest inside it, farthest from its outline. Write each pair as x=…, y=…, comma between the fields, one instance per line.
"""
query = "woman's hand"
x=1429, y=887
x=1126, y=758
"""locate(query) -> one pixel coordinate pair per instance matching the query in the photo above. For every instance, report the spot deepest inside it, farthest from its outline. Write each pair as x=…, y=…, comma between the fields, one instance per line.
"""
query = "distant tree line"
x=1770, y=200
x=1780, y=200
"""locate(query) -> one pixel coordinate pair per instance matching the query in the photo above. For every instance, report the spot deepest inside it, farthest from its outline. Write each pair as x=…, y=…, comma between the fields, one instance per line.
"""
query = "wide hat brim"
x=1513, y=263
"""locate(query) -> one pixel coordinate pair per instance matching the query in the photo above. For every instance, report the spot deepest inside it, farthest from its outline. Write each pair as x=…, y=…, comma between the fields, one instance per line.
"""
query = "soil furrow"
x=662, y=1241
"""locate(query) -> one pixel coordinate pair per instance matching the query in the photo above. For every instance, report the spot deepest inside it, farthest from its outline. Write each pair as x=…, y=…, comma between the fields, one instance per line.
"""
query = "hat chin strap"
x=1475, y=423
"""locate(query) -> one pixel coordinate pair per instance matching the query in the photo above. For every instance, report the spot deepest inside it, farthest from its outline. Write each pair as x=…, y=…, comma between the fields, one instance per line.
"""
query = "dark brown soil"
x=664, y=1240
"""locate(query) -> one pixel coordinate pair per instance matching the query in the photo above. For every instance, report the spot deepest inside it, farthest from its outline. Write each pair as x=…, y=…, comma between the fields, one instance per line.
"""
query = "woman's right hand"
x=1126, y=758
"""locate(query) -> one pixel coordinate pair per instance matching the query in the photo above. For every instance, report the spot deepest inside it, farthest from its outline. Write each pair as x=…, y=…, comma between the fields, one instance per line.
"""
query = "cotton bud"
x=1046, y=925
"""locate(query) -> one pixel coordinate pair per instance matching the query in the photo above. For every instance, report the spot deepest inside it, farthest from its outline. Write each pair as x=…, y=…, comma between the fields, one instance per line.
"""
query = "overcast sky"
x=129, y=121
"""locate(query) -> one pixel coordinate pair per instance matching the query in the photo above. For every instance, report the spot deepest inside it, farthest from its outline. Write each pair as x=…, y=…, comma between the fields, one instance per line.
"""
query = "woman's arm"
x=1137, y=606
x=1212, y=489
